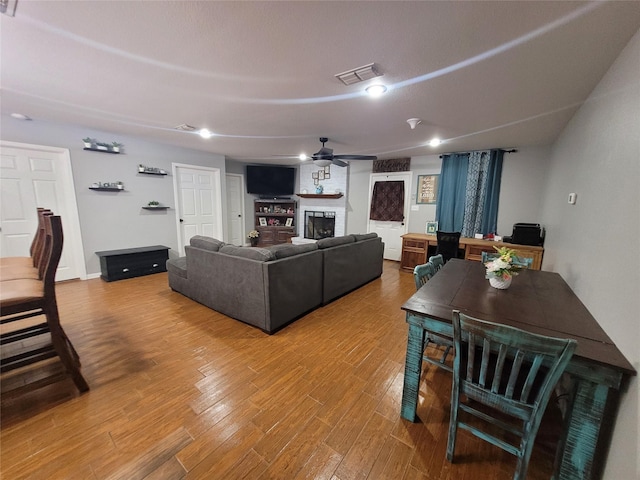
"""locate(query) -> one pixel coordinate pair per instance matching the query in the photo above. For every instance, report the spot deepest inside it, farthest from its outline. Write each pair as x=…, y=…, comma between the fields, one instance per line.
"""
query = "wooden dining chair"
x=511, y=371
x=437, y=261
x=26, y=298
x=448, y=244
x=13, y=268
x=421, y=275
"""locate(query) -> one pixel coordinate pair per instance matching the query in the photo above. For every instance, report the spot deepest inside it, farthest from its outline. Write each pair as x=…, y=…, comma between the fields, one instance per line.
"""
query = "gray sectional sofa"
x=271, y=287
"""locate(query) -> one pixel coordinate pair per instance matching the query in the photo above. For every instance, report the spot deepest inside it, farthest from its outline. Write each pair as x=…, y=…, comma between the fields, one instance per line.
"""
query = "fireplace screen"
x=319, y=224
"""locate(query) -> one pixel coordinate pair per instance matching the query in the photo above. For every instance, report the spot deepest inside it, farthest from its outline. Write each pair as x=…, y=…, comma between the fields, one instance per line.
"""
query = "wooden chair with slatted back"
x=437, y=261
x=23, y=299
x=509, y=370
x=422, y=274
x=13, y=268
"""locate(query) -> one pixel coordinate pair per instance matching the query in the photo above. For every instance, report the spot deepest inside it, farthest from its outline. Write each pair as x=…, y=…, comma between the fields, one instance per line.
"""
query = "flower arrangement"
x=503, y=266
x=253, y=234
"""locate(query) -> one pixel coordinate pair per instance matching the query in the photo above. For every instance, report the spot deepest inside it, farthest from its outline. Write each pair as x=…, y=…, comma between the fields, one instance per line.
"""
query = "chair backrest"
x=437, y=261
x=38, y=251
x=422, y=273
x=448, y=243
x=511, y=370
x=524, y=262
x=54, y=240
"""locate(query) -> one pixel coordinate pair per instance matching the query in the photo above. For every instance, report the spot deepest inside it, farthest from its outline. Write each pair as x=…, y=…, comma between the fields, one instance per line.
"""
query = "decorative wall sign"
x=432, y=228
x=427, y=189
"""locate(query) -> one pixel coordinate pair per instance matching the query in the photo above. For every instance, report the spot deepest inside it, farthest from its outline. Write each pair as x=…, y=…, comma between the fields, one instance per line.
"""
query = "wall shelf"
x=100, y=150
x=153, y=173
x=149, y=207
x=107, y=189
x=319, y=195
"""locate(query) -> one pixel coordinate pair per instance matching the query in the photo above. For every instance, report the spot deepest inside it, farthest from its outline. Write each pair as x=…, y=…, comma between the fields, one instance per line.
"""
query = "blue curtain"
x=469, y=192
x=492, y=192
x=451, y=192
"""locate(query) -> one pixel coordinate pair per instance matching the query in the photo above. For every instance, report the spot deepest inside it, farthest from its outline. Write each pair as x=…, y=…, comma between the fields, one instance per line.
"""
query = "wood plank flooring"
x=180, y=391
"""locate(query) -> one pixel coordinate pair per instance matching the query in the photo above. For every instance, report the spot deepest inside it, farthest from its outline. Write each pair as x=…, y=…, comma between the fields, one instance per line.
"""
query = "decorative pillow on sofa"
x=364, y=236
x=206, y=243
x=285, y=250
x=252, y=253
x=335, y=241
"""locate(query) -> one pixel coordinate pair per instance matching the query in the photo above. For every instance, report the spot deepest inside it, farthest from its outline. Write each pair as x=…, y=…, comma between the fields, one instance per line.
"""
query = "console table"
x=133, y=262
x=415, y=249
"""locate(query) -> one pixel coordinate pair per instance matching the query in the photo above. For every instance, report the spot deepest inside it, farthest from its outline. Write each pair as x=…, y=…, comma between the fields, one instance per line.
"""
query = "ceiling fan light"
x=376, y=90
x=435, y=142
x=321, y=162
x=204, y=133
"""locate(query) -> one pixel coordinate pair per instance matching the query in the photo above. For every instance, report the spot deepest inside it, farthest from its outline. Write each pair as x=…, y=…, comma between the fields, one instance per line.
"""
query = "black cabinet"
x=133, y=262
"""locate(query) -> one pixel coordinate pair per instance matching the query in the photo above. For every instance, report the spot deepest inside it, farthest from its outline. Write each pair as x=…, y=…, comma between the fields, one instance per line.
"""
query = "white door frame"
x=243, y=224
x=72, y=230
x=176, y=196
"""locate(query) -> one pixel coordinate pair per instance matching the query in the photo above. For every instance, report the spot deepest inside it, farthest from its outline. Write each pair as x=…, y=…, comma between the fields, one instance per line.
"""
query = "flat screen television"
x=270, y=181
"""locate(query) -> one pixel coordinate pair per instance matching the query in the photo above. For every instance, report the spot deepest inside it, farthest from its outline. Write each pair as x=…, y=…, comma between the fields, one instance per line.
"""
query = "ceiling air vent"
x=185, y=128
x=359, y=74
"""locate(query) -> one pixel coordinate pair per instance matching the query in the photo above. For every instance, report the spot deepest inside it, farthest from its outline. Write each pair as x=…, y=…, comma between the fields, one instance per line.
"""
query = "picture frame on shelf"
x=427, y=189
x=262, y=221
x=289, y=222
x=432, y=228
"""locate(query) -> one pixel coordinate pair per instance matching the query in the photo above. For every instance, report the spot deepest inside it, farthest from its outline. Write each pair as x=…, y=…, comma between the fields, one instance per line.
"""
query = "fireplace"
x=319, y=224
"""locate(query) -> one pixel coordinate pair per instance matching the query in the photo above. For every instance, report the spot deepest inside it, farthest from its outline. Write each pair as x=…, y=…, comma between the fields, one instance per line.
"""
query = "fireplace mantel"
x=319, y=195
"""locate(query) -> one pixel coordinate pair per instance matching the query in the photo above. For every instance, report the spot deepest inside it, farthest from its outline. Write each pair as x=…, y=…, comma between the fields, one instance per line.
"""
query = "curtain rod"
x=513, y=150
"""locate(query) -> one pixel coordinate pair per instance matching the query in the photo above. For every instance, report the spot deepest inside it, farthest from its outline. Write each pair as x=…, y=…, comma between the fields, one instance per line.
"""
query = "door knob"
x=181, y=220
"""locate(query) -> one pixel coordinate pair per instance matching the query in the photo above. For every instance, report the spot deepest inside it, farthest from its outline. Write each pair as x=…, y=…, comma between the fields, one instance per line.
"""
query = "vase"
x=500, y=283
x=254, y=242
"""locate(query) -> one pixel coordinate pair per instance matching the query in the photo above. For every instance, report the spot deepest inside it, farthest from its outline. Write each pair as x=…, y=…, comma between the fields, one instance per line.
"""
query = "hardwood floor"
x=180, y=391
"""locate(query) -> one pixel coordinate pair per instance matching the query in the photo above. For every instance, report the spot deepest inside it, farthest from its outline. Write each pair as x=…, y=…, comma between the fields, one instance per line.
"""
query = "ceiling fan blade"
x=339, y=163
x=356, y=157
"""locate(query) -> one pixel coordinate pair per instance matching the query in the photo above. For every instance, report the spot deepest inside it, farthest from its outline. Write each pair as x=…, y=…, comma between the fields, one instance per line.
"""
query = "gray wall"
x=594, y=243
x=114, y=220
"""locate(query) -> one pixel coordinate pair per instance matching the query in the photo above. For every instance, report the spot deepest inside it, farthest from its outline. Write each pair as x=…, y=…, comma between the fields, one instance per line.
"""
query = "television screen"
x=270, y=181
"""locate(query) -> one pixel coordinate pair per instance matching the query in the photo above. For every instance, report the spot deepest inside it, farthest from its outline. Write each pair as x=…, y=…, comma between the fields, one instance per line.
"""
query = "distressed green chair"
x=509, y=370
x=437, y=261
x=422, y=274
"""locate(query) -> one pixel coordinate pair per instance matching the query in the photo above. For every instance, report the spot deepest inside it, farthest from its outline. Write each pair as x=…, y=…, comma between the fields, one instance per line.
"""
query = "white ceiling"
x=260, y=75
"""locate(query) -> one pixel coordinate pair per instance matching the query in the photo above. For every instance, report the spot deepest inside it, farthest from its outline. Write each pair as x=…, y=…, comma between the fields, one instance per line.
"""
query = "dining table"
x=540, y=302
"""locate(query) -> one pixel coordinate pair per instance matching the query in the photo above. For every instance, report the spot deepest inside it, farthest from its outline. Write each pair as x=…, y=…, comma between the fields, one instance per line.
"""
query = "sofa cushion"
x=252, y=253
x=335, y=241
x=178, y=266
x=364, y=236
x=285, y=250
x=206, y=243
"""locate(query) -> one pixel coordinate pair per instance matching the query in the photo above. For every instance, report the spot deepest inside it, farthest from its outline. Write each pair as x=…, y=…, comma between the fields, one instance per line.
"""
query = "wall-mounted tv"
x=266, y=180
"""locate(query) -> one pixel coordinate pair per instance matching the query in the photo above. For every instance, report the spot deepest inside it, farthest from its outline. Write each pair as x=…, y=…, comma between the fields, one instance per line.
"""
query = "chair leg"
x=453, y=424
x=64, y=349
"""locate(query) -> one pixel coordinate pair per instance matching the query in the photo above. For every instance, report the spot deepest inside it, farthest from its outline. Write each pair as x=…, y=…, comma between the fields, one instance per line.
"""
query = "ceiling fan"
x=325, y=156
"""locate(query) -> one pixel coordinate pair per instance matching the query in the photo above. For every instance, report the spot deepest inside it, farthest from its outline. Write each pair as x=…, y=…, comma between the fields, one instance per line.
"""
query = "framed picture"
x=432, y=228
x=327, y=169
x=427, y=189
x=314, y=175
x=315, y=181
x=289, y=222
x=263, y=221
x=327, y=176
x=321, y=175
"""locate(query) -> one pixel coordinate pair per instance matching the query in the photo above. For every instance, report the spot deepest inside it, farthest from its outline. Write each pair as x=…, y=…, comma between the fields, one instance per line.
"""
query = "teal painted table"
x=540, y=302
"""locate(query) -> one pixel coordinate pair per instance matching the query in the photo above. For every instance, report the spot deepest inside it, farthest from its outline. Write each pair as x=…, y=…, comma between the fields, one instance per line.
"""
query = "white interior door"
x=391, y=232
x=235, y=209
x=198, y=195
x=34, y=176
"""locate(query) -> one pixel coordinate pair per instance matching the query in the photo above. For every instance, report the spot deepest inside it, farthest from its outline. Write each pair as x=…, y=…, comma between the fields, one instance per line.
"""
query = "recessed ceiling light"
x=20, y=116
x=435, y=142
x=302, y=157
x=376, y=90
x=204, y=133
